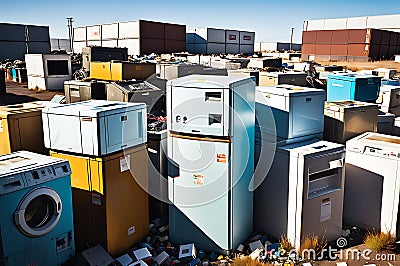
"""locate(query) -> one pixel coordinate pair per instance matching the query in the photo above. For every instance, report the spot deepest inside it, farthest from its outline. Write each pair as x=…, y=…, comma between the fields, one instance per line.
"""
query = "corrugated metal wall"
x=350, y=44
x=140, y=37
x=16, y=40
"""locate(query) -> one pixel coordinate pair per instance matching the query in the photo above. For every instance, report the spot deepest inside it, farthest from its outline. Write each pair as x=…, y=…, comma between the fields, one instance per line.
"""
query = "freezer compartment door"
x=200, y=111
x=201, y=189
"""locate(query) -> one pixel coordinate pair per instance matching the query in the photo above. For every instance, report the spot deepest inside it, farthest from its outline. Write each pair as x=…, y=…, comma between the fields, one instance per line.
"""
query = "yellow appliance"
x=21, y=128
x=117, y=71
x=109, y=199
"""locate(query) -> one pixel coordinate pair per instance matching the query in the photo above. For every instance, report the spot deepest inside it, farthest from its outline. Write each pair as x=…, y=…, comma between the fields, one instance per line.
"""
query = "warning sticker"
x=1, y=125
x=198, y=179
x=221, y=158
x=125, y=163
x=326, y=210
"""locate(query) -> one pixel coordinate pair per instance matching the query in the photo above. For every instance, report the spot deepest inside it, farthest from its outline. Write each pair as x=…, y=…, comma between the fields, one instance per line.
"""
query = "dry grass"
x=285, y=243
x=247, y=261
x=312, y=243
x=378, y=241
x=357, y=66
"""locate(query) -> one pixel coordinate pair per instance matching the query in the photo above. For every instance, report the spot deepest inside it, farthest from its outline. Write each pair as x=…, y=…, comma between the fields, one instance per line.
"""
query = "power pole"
x=291, y=39
x=70, y=33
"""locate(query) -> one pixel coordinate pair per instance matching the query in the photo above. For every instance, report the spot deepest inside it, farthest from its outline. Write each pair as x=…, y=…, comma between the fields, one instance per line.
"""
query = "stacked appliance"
x=21, y=128
x=211, y=154
x=295, y=172
x=47, y=71
x=372, y=185
x=79, y=91
x=121, y=70
x=105, y=144
x=389, y=99
x=173, y=71
x=347, y=119
x=353, y=86
x=36, y=223
x=277, y=78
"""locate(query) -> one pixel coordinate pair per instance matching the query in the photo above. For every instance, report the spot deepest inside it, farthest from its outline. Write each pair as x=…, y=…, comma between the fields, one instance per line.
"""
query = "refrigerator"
x=211, y=160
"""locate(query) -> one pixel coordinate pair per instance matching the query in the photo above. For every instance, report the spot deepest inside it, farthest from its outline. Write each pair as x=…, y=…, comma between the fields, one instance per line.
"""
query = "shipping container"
x=215, y=48
x=392, y=52
x=133, y=45
x=334, y=24
x=309, y=37
x=247, y=37
x=174, y=46
x=232, y=48
x=148, y=46
x=210, y=35
x=175, y=32
x=385, y=39
x=12, y=32
x=93, y=33
x=196, y=48
x=376, y=36
x=93, y=43
x=80, y=34
x=358, y=36
x=393, y=38
x=384, y=51
x=358, y=50
x=311, y=25
x=38, y=33
x=12, y=50
x=109, y=31
x=383, y=22
x=232, y=36
x=109, y=43
x=308, y=48
x=357, y=23
x=39, y=47
x=151, y=30
x=339, y=49
x=78, y=46
x=323, y=49
x=129, y=30
x=247, y=48
x=340, y=37
x=374, y=51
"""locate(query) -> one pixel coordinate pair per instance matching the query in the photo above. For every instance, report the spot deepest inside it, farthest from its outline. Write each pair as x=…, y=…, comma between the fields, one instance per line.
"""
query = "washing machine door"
x=38, y=212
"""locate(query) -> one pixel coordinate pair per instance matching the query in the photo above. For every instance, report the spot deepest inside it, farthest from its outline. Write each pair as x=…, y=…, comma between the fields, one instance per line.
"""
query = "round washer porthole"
x=38, y=212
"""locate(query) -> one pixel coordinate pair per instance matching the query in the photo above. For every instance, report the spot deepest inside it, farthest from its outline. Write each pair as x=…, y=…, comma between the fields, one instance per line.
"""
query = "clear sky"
x=271, y=20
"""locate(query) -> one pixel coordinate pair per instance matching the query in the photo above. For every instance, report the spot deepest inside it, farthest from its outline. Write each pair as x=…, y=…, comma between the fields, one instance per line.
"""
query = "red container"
x=340, y=36
x=148, y=46
x=307, y=48
x=357, y=36
x=175, y=32
x=151, y=30
x=358, y=49
x=339, y=49
x=324, y=37
x=375, y=36
x=309, y=37
x=173, y=46
x=323, y=49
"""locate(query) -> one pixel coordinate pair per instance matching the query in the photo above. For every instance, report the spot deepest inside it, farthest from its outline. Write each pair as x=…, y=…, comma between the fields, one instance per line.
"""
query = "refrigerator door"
x=201, y=190
x=200, y=111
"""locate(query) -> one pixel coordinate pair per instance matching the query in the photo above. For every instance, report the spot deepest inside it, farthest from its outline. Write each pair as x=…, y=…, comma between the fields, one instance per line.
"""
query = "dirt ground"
x=356, y=66
x=19, y=93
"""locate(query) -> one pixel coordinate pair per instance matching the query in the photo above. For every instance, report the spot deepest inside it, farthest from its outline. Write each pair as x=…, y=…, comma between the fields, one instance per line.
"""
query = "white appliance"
x=302, y=193
x=277, y=78
x=297, y=113
x=36, y=223
x=347, y=119
x=211, y=153
x=94, y=127
x=372, y=186
x=48, y=71
x=389, y=99
x=385, y=73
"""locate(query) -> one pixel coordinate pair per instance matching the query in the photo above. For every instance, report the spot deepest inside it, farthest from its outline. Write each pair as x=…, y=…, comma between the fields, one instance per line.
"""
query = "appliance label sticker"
x=131, y=230
x=326, y=210
x=125, y=163
x=1, y=125
x=221, y=158
x=198, y=179
x=96, y=199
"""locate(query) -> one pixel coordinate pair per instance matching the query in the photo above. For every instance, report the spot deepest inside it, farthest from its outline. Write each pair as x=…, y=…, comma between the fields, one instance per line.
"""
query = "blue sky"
x=271, y=20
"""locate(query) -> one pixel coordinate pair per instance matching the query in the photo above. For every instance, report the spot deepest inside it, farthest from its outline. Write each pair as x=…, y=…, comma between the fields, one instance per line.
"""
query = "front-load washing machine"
x=36, y=223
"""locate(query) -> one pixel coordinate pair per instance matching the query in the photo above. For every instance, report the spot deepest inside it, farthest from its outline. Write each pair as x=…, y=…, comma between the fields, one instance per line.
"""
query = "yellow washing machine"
x=109, y=196
x=21, y=128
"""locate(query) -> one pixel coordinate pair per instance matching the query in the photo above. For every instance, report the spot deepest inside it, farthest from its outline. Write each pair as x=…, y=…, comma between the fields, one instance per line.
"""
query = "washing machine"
x=36, y=223
x=372, y=184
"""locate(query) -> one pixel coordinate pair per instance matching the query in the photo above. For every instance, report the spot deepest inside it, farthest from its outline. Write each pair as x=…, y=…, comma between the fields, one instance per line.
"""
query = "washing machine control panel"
x=11, y=183
x=47, y=173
